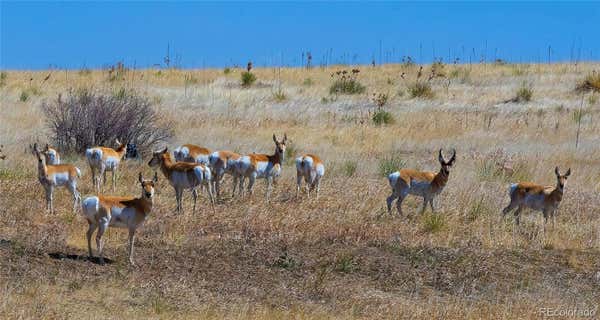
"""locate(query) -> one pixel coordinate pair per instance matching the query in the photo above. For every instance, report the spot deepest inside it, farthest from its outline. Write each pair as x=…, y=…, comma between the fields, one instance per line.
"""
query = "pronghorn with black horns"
x=183, y=175
x=419, y=183
x=537, y=197
x=102, y=212
x=262, y=166
x=58, y=175
x=102, y=159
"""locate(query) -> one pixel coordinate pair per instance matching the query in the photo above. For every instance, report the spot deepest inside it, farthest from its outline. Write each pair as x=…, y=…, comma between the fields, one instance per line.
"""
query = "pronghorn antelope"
x=311, y=168
x=537, y=197
x=102, y=159
x=191, y=153
x=419, y=183
x=183, y=175
x=223, y=162
x=103, y=212
x=261, y=166
x=58, y=175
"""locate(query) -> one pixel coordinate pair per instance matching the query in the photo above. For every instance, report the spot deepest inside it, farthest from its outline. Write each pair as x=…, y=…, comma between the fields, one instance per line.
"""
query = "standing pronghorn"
x=261, y=166
x=102, y=159
x=419, y=183
x=59, y=175
x=537, y=197
x=103, y=212
x=192, y=153
x=311, y=168
x=223, y=162
x=183, y=175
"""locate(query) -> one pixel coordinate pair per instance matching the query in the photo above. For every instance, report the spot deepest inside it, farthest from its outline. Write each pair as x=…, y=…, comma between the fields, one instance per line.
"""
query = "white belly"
x=60, y=179
x=535, y=202
x=121, y=217
x=111, y=163
x=180, y=179
x=419, y=188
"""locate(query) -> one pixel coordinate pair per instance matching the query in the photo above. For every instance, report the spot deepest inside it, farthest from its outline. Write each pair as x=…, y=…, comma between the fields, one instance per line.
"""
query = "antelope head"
x=148, y=186
x=280, y=145
x=446, y=164
x=561, y=180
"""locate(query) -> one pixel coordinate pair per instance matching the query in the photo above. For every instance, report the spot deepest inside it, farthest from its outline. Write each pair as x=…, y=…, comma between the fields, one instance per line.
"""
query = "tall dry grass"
x=341, y=256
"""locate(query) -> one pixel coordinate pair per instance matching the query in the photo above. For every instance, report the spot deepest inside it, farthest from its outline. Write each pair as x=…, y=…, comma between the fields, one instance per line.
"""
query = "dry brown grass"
x=341, y=256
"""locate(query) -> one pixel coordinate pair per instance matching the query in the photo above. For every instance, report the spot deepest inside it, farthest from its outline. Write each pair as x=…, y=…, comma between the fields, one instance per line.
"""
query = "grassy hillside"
x=341, y=256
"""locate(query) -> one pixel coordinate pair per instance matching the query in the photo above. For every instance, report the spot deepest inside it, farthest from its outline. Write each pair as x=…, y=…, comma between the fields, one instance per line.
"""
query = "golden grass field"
x=341, y=256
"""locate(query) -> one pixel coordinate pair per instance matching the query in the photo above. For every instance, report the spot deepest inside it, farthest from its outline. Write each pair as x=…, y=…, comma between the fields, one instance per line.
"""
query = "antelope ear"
x=47, y=147
x=556, y=171
x=568, y=172
x=441, y=157
x=284, y=138
x=274, y=138
x=140, y=178
x=118, y=142
x=165, y=150
x=35, y=148
x=155, y=179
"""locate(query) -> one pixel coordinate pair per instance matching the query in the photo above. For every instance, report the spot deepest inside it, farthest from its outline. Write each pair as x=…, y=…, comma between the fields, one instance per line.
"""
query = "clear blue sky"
x=74, y=34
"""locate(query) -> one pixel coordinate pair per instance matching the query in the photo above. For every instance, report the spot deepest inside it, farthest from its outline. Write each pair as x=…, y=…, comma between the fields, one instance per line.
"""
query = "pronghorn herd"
x=193, y=167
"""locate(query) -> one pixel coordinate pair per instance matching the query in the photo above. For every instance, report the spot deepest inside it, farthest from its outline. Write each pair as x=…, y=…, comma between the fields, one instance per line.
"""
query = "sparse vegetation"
x=524, y=93
x=391, y=163
x=341, y=256
x=591, y=82
x=226, y=71
x=3, y=77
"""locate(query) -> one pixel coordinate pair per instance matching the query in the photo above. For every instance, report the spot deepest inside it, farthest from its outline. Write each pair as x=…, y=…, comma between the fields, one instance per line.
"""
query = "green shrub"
x=346, y=82
x=308, y=82
x=346, y=87
x=3, y=76
x=24, y=96
x=420, y=89
x=345, y=263
x=85, y=72
x=524, y=93
x=226, y=71
x=390, y=164
x=279, y=96
x=248, y=78
x=433, y=223
x=349, y=168
x=381, y=117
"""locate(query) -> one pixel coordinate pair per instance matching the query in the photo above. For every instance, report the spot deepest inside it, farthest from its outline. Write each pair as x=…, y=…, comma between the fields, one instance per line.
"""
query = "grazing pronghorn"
x=419, y=183
x=102, y=159
x=191, y=153
x=261, y=166
x=183, y=175
x=311, y=168
x=223, y=162
x=103, y=212
x=537, y=197
x=58, y=175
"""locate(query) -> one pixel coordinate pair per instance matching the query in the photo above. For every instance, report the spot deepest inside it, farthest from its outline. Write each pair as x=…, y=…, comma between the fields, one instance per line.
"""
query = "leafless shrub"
x=87, y=118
